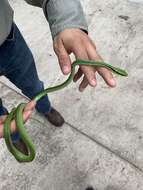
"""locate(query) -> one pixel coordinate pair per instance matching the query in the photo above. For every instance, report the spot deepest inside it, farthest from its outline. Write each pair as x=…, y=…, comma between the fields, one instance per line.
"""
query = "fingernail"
x=93, y=82
x=81, y=89
x=66, y=69
x=112, y=82
x=74, y=80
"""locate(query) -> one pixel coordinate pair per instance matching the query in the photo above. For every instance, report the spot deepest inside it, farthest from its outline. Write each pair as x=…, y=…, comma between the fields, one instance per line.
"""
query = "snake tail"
x=17, y=113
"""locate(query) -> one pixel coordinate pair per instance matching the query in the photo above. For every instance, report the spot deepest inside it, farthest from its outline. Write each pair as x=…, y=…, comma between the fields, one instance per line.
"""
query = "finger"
x=2, y=118
x=28, y=110
x=30, y=106
x=26, y=116
x=83, y=84
x=107, y=76
x=89, y=72
x=104, y=72
x=1, y=130
x=63, y=57
x=90, y=75
x=78, y=75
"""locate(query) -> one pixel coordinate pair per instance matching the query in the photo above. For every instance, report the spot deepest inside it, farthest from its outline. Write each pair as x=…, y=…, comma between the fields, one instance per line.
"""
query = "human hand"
x=26, y=115
x=78, y=42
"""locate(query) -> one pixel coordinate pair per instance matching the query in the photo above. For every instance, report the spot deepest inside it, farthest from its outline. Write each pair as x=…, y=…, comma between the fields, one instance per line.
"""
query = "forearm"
x=62, y=14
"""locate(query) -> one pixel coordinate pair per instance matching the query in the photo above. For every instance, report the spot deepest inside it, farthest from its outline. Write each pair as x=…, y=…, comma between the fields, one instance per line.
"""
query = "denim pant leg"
x=3, y=110
x=17, y=64
x=19, y=67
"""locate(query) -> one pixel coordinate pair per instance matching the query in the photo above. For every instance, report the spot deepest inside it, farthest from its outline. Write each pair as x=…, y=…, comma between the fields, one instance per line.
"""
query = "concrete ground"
x=101, y=143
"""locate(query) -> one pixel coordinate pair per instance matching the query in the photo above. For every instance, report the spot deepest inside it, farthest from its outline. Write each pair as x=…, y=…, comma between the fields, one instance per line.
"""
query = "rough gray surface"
x=65, y=160
x=101, y=144
x=114, y=116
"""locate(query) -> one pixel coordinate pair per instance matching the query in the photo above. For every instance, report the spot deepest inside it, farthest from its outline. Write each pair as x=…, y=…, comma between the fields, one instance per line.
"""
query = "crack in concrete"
x=106, y=148
x=136, y=167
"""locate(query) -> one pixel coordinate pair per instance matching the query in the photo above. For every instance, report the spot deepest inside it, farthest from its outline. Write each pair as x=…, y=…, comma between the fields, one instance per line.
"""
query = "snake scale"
x=16, y=113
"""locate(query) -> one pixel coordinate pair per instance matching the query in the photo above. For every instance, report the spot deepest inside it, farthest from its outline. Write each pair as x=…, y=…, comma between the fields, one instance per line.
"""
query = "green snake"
x=16, y=113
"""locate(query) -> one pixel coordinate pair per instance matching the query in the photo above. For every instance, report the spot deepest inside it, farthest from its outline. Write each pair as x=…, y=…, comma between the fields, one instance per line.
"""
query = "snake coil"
x=16, y=113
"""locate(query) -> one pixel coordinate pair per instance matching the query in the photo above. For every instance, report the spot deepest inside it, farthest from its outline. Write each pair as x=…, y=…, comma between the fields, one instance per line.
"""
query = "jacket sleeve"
x=62, y=14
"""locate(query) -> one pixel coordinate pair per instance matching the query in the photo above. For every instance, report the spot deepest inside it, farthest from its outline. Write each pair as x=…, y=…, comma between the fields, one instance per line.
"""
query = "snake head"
x=119, y=71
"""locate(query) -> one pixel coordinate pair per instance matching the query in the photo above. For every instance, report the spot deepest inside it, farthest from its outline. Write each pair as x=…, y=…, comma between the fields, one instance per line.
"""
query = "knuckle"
x=92, y=43
x=63, y=57
x=80, y=40
x=55, y=46
x=94, y=46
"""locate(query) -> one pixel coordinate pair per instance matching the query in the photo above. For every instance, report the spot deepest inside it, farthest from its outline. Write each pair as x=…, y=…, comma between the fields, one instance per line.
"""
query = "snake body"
x=16, y=113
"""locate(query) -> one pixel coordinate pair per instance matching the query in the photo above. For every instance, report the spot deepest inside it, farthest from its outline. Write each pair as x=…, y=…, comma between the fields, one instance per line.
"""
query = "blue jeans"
x=17, y=64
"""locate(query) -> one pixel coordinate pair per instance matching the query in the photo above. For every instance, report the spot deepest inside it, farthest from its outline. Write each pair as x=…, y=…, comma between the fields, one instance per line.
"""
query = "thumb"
x=26, y=115
x=63, y=57
x=28, y=110
x=30, y=105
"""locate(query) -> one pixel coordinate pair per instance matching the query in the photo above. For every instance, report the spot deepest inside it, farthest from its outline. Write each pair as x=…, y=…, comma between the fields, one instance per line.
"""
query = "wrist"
x=85, y=31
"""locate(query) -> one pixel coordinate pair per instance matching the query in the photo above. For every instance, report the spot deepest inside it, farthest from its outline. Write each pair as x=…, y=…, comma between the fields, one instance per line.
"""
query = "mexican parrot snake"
x=17, y=113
